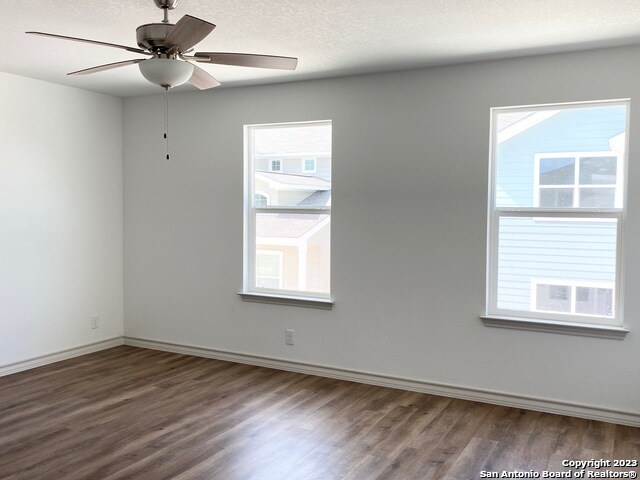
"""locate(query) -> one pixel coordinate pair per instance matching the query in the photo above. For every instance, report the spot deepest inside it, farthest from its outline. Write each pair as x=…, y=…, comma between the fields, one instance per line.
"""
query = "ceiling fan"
x=168, y=45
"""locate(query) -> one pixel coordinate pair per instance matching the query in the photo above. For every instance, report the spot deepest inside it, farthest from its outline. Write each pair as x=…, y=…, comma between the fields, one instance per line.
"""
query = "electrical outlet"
x=288, y=337
x=95, y=321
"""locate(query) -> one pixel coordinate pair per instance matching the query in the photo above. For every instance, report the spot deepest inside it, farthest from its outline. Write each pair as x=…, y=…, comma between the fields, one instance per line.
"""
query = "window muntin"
x=556, y=212
x=296, y=220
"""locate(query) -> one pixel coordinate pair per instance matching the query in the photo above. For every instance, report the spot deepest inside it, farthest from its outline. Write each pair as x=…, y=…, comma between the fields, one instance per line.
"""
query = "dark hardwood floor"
x=132, y=413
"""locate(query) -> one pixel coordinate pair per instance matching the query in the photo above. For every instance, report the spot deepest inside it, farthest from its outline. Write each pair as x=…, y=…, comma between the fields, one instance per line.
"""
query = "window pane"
x=598, y=197
x=554, y=298
x=594, y=301
x=268, y=265
x=556, y=197
x=260, y=200
x=269, y=269
x=270, y=283
x=309, y=165
x=556, y=138
x=598, y=170
x=557, y=171
x=303, y=242
x=281, y=169
x=534, y=251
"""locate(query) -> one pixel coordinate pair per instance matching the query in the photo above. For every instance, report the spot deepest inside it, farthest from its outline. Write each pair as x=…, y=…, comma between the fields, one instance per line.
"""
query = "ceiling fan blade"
x=202, y=80
x=186, y=33
x=247, y=60
x=108, y=66
x=95, y=42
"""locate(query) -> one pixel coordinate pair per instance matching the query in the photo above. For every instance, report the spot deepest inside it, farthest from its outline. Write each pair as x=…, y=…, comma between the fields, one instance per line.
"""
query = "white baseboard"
x=60, y=355
x=499, y=398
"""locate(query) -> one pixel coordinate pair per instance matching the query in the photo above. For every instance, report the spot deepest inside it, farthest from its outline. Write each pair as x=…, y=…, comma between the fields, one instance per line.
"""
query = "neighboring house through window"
x=556, y=212
x=288, y=209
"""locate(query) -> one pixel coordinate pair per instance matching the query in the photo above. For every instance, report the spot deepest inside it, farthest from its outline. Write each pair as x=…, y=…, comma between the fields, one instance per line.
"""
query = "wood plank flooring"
x=132, y=413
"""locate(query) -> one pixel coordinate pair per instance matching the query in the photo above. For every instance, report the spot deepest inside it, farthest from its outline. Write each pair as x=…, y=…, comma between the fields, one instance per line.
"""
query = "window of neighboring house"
x=288, y=220
x=268, y=269
x=275, y=165
x=557, y=211
x=309, y=165
x=575, y=298
x=261, y=199
x=578, y=180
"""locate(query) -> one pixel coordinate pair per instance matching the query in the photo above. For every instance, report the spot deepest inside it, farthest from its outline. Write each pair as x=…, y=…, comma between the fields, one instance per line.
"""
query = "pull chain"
x=166, y=122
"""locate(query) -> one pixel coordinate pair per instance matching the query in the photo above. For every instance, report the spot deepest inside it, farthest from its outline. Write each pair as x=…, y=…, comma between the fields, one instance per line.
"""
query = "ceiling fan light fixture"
x=166, y=72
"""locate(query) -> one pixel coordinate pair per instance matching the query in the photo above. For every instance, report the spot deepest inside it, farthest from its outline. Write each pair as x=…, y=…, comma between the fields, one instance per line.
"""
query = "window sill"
x=583, y=329
x=308, y=302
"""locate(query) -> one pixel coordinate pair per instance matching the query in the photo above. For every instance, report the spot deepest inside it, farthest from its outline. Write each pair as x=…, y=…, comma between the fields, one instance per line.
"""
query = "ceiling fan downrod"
x=166, y=5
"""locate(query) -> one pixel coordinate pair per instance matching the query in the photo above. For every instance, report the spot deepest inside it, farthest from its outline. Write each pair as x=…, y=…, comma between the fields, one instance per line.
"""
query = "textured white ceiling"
x=330, y=37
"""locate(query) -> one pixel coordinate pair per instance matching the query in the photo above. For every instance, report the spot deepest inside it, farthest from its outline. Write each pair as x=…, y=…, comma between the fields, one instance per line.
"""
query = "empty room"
x=182, y=296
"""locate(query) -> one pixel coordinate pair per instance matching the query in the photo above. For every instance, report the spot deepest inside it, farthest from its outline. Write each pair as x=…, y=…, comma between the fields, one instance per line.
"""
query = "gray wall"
x=60, y=217
x=410, y=166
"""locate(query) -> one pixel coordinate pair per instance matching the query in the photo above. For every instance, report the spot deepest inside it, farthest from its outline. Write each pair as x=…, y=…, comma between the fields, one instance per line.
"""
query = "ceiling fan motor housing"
x=151, y=36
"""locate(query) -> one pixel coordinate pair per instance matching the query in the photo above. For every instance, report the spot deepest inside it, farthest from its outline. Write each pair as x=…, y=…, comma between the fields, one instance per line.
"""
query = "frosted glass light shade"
x=166, y=72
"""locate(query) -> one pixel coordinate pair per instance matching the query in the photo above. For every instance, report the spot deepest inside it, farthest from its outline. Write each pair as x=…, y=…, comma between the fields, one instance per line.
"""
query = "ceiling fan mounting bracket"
x=166, y=4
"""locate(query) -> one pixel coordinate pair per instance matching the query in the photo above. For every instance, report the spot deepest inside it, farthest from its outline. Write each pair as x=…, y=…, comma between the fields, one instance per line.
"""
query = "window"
x=288, y=216
x=577, y=298
x=275, y=165
x=261, y=199
x=556, y=212
x=309, y=165
x=578, y=180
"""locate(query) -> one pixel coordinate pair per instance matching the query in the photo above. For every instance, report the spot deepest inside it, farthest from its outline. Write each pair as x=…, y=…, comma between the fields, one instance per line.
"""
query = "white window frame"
x=532, y=320
x=250, y=291
x=272, y=162
x=280, y=255
x=577, y=186
x=572, y=285
x=315, y=165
